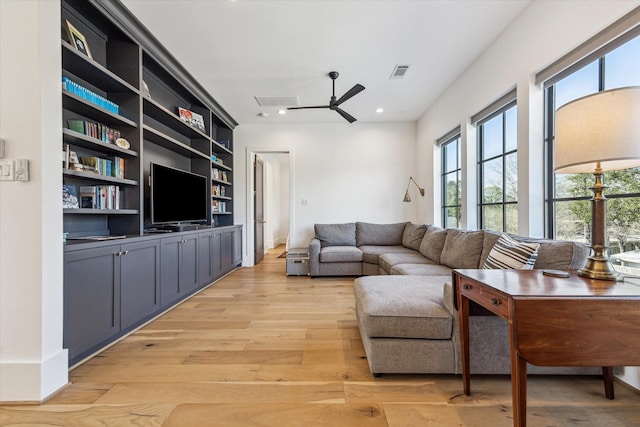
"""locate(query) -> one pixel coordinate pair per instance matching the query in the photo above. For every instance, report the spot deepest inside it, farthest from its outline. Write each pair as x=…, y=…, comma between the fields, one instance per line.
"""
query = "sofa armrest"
x=314, y=257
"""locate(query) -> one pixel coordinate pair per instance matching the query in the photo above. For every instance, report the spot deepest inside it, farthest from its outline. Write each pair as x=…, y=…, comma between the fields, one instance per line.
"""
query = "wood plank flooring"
x=259, y=348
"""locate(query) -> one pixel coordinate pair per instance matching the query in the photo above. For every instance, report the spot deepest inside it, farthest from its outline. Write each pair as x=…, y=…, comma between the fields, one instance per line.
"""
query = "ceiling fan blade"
x=348, y=117
x=350, y=93
x=304, y=108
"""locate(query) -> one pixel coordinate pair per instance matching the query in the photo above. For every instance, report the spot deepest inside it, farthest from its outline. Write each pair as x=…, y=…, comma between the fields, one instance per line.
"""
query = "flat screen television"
x=177, y=196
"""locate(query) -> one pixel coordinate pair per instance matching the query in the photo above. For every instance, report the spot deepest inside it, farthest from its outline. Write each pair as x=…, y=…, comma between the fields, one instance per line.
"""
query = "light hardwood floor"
x=259, y=348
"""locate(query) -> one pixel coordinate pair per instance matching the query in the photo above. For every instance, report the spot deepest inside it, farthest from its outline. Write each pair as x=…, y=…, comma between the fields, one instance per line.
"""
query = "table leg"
x=518, y=384
x=463, y=311
x=607, y=376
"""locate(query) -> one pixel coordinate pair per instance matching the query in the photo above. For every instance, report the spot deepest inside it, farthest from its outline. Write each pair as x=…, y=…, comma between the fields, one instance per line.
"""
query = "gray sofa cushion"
x=552, y=254
x=462, y=249
x=387, y=261
x=379, y=234
x=421, y=270
x=340, y=254
x=412, y=236
x=371, y=253
x=403, y=307
x=433, y=242
x=336, y=234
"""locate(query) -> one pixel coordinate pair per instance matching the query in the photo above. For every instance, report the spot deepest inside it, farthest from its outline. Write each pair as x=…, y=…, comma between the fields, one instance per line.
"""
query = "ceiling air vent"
x=399, y=71
x=277, y=101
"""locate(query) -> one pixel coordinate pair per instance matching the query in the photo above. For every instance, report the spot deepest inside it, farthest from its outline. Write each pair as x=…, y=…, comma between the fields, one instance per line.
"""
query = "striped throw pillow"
x=508, y=253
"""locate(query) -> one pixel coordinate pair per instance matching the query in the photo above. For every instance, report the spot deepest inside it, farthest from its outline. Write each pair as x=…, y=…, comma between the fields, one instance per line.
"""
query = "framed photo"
x=77, y=39
x=193, y=119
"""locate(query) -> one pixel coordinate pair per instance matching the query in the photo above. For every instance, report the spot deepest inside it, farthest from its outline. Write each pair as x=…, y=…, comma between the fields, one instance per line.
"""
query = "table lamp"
x=598, y=133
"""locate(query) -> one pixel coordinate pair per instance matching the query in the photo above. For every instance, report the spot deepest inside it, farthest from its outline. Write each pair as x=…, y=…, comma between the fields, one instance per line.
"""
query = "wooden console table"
x=553, y=322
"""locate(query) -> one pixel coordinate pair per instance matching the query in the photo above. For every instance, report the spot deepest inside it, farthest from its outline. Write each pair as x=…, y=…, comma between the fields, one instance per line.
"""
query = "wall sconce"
x=598, y=133
x=406, y=193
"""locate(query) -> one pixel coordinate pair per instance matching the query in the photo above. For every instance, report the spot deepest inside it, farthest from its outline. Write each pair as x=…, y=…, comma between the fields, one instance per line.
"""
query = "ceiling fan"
x=333, y=103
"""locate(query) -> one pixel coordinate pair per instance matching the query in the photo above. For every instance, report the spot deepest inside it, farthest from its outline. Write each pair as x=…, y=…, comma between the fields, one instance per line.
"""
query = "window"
x=451, y=180
x=568, y=196
x=498, y=170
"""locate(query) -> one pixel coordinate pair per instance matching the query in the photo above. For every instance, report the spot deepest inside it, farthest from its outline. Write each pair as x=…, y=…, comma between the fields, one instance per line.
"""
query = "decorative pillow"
x=412, y=236
x=508, y=253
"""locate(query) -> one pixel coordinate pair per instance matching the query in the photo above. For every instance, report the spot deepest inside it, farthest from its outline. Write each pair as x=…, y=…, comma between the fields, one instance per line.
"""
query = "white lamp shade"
x=603, y=127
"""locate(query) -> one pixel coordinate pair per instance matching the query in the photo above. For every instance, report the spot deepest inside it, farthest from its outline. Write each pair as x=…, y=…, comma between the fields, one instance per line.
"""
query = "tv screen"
x=177, y=196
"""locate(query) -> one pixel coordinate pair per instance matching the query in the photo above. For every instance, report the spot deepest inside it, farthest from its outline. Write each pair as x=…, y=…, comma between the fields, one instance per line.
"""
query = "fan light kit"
x=333, y=103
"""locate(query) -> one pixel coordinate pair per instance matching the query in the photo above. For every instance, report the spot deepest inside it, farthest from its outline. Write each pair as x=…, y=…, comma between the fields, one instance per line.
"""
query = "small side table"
x=298, y=262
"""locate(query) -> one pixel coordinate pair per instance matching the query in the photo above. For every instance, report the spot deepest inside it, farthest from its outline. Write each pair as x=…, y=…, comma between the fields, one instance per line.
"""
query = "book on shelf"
x=114, y=167
x=95, y=130
x=86, y=94
x=100, y=197
x=70, y=197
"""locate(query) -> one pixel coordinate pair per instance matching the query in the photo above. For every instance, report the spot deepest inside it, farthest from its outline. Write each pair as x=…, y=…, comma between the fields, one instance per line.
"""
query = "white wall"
x=343, y=172
x=545, y=31
x=32, y=362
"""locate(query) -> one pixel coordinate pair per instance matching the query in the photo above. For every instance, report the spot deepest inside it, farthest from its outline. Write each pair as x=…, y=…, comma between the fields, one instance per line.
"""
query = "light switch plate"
x=6, y=170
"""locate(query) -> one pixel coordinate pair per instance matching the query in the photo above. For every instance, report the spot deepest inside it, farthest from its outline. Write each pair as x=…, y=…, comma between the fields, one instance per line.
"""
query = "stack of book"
x=218, y=190
x=218, y=207
x=100, y=197
x=114, y=167
x=84, y=93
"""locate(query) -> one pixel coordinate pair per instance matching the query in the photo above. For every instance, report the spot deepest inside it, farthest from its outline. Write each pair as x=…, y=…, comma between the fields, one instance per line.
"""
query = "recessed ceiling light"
x=282, y=112
x=263, y=114
x=379, y=110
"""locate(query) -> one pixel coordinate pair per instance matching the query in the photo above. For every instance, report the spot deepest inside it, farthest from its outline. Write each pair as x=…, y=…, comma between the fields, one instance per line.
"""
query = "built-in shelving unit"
x=125, y=84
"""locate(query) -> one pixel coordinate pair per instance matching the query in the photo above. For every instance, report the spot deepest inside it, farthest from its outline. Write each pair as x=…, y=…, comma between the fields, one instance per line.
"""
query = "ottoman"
x=407, y=323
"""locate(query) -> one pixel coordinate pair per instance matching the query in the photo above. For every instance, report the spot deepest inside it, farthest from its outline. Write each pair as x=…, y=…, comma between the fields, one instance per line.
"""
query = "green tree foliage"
x=623, y=214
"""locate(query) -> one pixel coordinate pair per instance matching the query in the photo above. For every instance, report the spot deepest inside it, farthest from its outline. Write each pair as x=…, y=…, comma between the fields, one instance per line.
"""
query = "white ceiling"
x=241, y=49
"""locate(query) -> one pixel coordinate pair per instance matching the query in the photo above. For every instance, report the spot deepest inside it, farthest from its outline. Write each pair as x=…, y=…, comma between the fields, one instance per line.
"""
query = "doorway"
x=258, y=210
x=277, y=207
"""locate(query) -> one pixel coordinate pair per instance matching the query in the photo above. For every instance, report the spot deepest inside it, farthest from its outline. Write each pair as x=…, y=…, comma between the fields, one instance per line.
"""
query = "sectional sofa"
x=404, y=299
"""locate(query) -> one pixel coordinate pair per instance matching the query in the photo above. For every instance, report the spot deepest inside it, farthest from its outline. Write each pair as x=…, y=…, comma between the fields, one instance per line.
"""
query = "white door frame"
x=250, y=153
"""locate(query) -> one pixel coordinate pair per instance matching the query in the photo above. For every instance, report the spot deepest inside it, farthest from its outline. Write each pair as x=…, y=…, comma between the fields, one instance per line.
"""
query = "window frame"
x=502, y=155
x=457, y=138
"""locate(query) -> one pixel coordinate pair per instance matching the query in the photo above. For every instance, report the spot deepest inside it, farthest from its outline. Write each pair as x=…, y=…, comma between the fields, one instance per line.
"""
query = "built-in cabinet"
x=110, y=289
x=121, y=95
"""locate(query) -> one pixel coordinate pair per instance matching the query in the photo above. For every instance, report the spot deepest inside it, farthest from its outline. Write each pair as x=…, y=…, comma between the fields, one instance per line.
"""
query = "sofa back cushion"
x=552, y=254
x=462, y=249
x=412, y=235
x=336, y=234
x=379, y=234
x=432, y=243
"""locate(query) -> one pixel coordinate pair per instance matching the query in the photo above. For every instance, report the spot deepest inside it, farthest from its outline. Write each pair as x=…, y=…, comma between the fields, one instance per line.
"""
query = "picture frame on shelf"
x=193, y=119
x=77, y=39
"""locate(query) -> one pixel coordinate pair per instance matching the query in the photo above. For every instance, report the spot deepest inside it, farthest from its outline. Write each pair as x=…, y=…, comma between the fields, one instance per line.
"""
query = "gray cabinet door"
x=237, y=246
x=205, y=260
x=91, y=298
x=227, y=250
x=139, y=281
x=179, y=267
x=216, y=254
x=189, y=263
x=169, y=270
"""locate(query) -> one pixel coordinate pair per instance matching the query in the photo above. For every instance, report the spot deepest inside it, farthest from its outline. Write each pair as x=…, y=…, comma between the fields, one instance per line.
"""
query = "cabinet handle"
x=122, y=253
x=466, y=286
x=495, y=301
x=125, y=252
